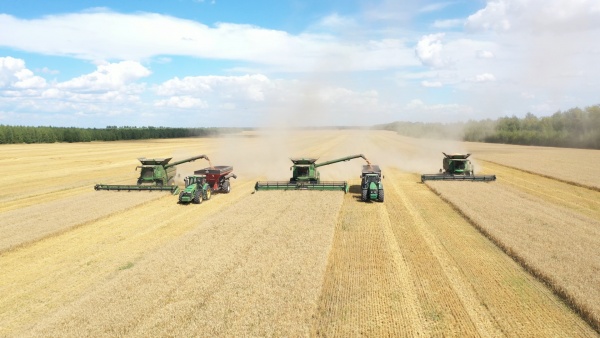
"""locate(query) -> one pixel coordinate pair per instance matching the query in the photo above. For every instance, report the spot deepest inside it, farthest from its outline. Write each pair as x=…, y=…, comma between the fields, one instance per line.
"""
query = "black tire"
x=365, y=194
x=180, y=196
x=139, y=182
x=226, y=187
x=380, y=195
x=197, y=197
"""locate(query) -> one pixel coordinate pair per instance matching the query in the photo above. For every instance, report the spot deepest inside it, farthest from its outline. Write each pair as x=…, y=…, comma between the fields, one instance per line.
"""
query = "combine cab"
x=156, y=174
x=371, y=186
x=457, y=167
x=305, y=176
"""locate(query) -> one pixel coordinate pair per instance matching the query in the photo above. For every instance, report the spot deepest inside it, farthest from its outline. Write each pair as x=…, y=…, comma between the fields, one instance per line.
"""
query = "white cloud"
x=249, y=87
x=429, y=50
x=536, y=16
x=485, y=54
x=485, y=77
x=435, y=6
x=185, y=102
x=14, y=75
x=448, y=23
x=431, y=84
x=108, y=76
x=105, y=35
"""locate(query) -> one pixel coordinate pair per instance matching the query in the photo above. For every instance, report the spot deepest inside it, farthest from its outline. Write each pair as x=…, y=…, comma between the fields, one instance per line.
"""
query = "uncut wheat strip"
x=499, y=296
x=581, y=166
x=26, y=225
x=579, y=199
x=43, y=277
x=556, y=244
x=365, y=290
x=255, y=269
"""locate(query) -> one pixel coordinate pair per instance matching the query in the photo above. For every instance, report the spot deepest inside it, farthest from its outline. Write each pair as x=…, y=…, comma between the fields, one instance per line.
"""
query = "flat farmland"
x=516, y=257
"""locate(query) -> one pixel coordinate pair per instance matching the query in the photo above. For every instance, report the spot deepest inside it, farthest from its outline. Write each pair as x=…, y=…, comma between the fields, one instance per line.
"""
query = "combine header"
x=305, y=176
x=457, y=167
x=156, y=174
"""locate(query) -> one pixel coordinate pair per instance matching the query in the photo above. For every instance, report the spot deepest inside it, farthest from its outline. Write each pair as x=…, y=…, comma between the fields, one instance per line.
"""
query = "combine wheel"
x=139, y=182
x=380, y=195
x=365, y=195
x=197, y=197
x=226, y=188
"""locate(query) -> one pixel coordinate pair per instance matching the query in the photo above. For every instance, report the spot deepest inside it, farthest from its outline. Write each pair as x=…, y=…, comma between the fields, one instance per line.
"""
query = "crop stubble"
x=255, y=269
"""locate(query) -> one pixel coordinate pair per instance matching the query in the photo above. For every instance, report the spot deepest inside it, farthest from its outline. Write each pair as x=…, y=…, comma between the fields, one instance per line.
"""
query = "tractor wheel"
x=139, y=182
x=180, y=196
x=226, y=187
x=380, y=195
x=365, y=195
x=208, y=194
x=197, y=197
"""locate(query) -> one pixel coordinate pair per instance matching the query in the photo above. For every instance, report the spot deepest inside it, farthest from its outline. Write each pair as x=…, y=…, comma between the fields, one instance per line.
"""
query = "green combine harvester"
x=156, y=175
x=457, y=167
x=305, y=176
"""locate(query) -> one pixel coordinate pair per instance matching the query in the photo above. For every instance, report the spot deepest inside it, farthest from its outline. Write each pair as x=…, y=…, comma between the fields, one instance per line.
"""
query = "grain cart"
x=457, y=167
x=371, y=186
x=155, y=174
x=305, y=176
x=204, y=182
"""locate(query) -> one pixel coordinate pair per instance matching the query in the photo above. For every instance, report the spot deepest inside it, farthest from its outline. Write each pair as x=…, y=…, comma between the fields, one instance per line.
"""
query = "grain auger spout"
x=457, y=167
x=305, y=176
x=155, y=174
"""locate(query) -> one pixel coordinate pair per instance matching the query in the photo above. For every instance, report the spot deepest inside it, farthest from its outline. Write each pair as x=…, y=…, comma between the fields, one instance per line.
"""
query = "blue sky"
x=194, y=63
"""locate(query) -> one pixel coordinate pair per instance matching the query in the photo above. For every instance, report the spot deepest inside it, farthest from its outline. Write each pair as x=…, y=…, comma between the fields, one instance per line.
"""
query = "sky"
x=270, y=63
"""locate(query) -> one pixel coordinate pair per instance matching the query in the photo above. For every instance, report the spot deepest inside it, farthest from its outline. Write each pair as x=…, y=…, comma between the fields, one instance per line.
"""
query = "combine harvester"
x=457, y=167
x=156, y=174
x=204, y=182
x=305, y=176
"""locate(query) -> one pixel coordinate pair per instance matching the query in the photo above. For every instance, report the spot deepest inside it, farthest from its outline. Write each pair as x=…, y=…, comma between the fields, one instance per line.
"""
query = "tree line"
x=574, y=128
x=27, y=134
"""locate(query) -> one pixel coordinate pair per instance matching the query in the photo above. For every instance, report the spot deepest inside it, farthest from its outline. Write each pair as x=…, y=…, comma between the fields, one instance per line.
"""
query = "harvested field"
x=76, y=262
x=214, y=279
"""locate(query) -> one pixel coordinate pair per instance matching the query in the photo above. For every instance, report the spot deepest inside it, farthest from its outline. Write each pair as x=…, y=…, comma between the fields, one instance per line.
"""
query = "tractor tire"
x=226, y=187
x=365, y=195
x=207, y=194
x=380, y=195
x=197, y=197
x=139, y=182
x=180, y=196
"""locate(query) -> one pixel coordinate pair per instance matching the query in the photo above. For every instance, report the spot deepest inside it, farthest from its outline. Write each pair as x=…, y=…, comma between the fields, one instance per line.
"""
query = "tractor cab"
x=195, y=179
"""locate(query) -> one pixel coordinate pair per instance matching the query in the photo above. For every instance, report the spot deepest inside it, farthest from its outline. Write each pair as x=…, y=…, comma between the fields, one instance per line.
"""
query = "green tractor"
x=196, y=190
x=204, y=182
x=371, y=186
x=305, y=176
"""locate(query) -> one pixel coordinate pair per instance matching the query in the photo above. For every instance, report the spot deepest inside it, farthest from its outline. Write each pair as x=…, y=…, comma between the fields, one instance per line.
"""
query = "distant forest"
x=24, y=134
x=574, y=128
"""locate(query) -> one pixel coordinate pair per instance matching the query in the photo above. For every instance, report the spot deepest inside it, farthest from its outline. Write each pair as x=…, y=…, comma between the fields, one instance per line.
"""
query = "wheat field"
x=514, y=257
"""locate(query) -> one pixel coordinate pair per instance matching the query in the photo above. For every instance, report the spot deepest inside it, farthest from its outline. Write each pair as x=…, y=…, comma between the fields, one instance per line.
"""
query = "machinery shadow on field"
x=356, y=191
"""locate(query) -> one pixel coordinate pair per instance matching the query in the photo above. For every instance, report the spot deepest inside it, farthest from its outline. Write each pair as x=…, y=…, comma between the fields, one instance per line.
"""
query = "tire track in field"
x=581, y=199
x=365, y=290
x=453, y=265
